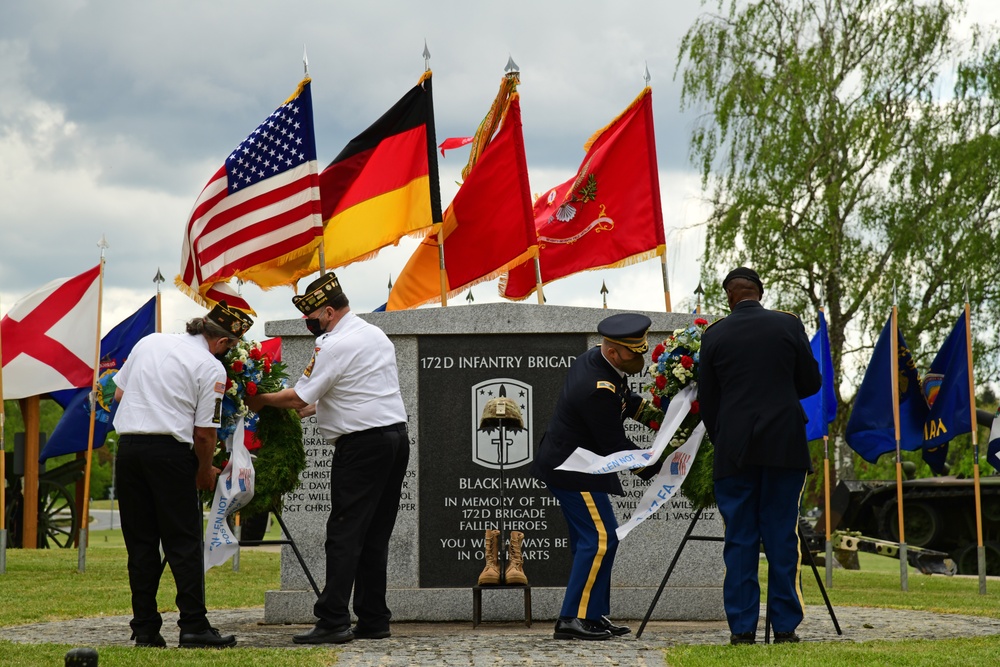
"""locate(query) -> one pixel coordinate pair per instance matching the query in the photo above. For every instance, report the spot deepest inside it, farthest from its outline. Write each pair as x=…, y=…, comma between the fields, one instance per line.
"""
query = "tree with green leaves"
x=850, y=152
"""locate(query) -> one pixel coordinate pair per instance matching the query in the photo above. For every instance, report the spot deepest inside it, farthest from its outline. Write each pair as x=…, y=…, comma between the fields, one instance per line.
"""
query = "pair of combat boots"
x=514, y=575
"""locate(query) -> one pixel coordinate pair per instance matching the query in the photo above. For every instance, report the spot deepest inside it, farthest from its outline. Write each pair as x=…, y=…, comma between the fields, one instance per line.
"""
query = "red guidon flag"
x=606, y=216
x=49, y=337
x=488, y=228
x=259, y=210
x=383, y=186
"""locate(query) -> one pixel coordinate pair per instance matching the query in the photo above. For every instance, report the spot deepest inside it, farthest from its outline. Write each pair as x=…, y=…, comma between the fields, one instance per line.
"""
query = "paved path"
x=512, y=643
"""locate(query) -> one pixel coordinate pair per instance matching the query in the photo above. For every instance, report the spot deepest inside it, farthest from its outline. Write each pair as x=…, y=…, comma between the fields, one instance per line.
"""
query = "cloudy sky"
x=115, y=113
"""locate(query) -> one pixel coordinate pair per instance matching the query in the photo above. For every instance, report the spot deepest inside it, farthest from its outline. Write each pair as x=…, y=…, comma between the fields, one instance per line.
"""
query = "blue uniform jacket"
x=755, y=366
x=590, y=413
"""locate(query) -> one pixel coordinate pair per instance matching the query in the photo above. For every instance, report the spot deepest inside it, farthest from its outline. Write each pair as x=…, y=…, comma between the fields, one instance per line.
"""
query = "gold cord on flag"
x=487, y=128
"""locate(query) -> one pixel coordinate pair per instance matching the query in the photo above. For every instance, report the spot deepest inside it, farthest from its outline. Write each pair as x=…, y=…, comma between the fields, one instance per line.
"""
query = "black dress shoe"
x=786, y=638
x=616, y=630
x=580, y=628
x=339, y=635
x=361, y=632
x=154, y=640
x=207, y=638
x=743, y=638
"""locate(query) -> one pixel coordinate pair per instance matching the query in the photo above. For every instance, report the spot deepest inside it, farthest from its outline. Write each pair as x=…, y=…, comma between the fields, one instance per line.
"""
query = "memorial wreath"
x=675, y=367
x=280, y=458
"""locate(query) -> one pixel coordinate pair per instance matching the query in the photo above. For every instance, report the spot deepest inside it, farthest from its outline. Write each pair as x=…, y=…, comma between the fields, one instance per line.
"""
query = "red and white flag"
x=258, y=211
x=49, y=337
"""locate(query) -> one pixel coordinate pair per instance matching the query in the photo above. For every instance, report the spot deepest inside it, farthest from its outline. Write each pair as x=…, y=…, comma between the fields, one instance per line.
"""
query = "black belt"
x=150, y=439
x=377, y=430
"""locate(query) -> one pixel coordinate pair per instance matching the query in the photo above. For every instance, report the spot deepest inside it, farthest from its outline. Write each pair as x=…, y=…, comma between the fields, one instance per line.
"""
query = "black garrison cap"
x=321, y=292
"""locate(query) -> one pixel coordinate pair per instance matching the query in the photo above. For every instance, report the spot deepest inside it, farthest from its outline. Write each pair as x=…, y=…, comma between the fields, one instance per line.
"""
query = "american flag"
x=679, y=463
x=261, y=208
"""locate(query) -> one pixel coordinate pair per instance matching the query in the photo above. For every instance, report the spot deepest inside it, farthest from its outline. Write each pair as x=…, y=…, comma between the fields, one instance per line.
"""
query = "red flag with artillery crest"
x=608, y=215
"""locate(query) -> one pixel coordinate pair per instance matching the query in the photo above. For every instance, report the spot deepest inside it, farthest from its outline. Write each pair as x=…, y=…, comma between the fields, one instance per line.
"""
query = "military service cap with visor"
x=626, y=329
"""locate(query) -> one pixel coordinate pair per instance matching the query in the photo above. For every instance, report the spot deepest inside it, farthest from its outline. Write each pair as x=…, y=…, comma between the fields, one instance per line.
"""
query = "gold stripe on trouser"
x=602, y=548
x=798, y=545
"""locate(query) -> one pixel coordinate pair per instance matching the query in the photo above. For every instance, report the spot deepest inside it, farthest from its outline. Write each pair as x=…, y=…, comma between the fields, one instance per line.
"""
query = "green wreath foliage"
x=279, y=461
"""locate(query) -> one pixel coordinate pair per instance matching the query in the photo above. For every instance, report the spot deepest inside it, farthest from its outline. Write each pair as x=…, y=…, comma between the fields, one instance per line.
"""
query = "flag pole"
x=313, y=170
x=3, y=476
x=441, y=266
x=157, y=279
x=647, y=77
x=980, y=549
x=826, y=480
x=85, y=514
x=538, y=282
x=666, y=283
x=894, y=358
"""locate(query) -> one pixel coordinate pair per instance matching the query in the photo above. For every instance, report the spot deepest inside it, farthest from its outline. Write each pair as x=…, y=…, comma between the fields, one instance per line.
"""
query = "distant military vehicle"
x=938, y=513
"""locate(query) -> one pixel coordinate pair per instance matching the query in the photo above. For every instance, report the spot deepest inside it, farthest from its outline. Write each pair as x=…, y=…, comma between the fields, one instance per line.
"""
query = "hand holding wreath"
x=675, y=366
x=280, y=457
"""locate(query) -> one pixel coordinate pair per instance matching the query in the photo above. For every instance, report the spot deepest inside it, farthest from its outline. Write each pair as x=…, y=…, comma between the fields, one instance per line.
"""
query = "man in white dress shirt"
x=170, y=392
x=353, y=383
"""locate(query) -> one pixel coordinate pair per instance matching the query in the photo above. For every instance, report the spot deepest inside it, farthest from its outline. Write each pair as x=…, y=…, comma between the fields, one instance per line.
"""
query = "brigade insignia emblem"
x=515, y=449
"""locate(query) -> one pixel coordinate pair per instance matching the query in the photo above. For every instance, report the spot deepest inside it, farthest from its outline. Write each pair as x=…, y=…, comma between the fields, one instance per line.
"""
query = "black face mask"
x=314, y=327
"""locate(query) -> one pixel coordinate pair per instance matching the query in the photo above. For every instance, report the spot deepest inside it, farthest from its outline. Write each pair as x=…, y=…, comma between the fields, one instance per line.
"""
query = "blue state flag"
x=946, y=390
x=73, y=430
x=821, y=407
x=870, y=429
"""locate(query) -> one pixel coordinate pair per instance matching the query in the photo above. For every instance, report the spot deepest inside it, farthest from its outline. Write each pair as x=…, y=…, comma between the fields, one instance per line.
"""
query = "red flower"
x=251, y=388
x=687, y=362
x=656, y=400
x=267, y=364
x=661, y=381
x=657, y=351
x=653, y=424
x=255, y=353
x=229, y=385
x=237, y=366
x=701, y=321
x=695, y=408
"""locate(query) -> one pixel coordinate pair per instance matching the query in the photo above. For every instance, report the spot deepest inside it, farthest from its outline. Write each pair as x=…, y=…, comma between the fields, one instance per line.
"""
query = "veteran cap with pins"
x=626, y=329
x=320, y=293
x=746, y=274
x=234, y=322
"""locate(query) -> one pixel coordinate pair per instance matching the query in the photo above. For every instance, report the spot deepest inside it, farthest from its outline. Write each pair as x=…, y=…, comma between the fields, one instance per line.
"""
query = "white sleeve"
x=211, y=385
x=320, y=375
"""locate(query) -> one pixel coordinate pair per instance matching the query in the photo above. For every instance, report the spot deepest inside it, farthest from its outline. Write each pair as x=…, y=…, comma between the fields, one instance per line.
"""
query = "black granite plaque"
x=461, y=494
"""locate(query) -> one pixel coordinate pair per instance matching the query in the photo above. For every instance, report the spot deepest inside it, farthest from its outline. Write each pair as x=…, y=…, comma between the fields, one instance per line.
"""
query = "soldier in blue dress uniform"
x=590, y=411
x=756, y=364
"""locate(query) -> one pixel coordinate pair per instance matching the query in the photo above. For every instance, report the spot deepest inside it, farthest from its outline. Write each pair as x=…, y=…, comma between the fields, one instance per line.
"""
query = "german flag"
x=381, y=187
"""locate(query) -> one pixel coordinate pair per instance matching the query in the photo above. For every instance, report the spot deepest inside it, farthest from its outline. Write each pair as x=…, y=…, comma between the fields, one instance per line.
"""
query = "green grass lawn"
x=44, y=585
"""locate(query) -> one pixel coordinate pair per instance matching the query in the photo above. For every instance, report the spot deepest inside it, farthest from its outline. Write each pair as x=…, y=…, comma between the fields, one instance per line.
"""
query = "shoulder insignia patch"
x=610, y=386
x=220, y=387
x=713, y=323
